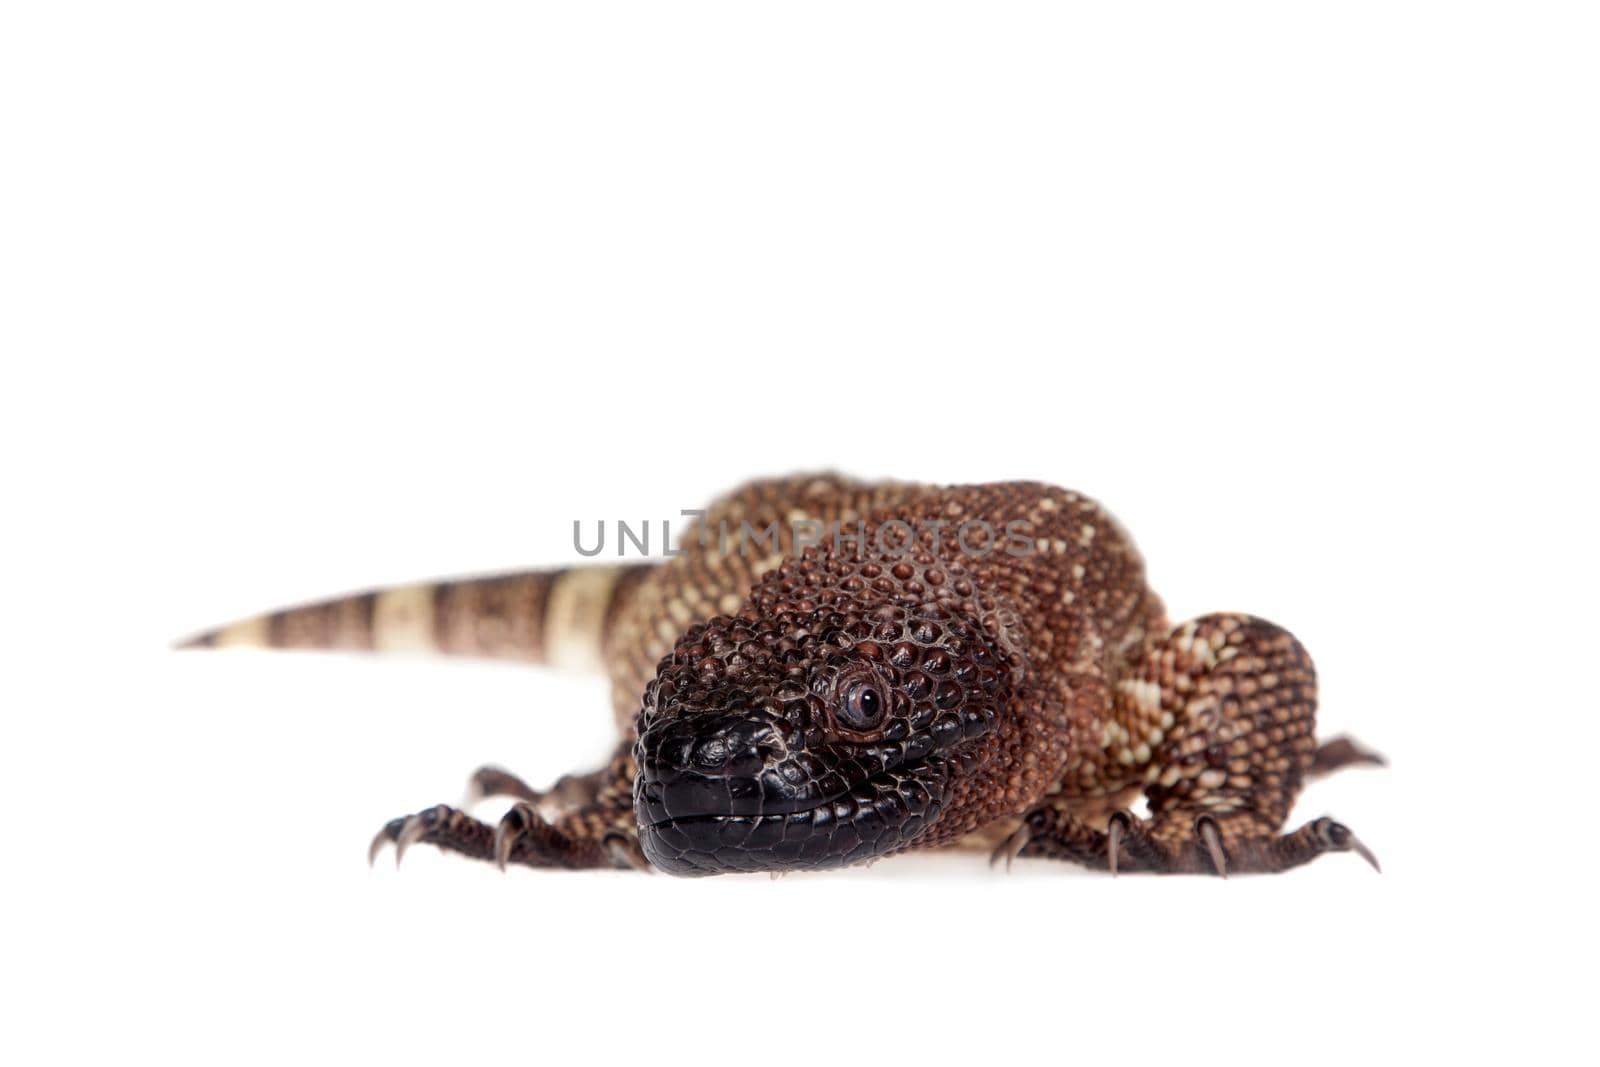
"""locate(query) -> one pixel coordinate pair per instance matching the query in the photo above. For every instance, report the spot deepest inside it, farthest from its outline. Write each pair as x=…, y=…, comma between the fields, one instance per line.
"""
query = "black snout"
x=707, y=764
x=726, y=791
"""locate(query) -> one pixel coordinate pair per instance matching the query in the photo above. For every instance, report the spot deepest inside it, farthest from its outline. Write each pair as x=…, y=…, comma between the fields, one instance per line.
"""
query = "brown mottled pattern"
x=1213, y=720
x=714, y=577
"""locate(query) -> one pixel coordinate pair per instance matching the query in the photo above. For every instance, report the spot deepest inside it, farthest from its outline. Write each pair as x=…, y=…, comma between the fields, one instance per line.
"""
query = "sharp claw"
x=503, y=843
x=380, y=839
x=1364, y=852
x=1113, y=840
x=1337, y=837
x=507, y=831
x=1012, y=846
x=411, y=831
x=1206, y=827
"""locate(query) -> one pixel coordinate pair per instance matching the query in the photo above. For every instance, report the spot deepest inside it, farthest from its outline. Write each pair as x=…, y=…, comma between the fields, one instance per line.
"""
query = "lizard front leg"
x=596, y=829
x=1228, y=703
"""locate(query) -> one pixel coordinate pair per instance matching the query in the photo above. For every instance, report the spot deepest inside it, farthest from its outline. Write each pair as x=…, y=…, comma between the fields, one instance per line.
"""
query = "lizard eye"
x=863, y=707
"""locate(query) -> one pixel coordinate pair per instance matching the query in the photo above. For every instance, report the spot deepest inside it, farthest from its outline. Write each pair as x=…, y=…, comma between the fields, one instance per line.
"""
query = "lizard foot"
x=1050, y=831
x=527, y=835
x=523, y=837
x=582, y=821
x=1174, y=844
x=1236, y=842
x=1327, y=836
x=440, y=825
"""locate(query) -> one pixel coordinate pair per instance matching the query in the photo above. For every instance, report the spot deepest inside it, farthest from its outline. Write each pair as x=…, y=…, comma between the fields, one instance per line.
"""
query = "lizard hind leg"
x=1241, y=696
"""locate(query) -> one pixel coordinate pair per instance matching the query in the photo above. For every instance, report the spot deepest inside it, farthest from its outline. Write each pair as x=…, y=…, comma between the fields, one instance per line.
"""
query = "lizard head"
x=832, y=720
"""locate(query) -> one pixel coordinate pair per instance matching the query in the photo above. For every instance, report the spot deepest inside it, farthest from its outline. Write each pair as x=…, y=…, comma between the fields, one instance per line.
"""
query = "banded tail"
x=556, y=617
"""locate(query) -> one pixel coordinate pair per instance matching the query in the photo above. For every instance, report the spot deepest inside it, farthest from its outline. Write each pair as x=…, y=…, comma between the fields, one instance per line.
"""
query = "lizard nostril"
x=726, y=747
x=711, y=754
x=740, y=750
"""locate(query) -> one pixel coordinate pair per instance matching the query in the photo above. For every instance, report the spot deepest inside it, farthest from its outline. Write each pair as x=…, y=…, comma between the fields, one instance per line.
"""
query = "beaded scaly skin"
x=833, y=671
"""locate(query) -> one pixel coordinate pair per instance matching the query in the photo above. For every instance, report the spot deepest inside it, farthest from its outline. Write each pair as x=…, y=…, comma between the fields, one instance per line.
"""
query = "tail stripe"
x=559, y=617
x=250, y=633
x=575, y=616
x=402, y=619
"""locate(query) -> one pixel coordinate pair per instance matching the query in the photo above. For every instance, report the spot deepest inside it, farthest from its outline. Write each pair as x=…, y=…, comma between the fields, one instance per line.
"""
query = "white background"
x=306, y=297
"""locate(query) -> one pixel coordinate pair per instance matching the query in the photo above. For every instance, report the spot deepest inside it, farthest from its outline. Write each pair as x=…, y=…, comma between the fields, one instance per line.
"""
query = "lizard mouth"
x=882, y=814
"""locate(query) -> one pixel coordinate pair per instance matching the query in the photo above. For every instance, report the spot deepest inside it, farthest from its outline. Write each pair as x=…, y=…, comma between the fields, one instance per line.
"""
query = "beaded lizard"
x=880, y=667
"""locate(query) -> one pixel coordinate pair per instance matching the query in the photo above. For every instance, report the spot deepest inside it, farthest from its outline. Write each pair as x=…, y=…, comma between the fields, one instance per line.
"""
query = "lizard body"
x=832, y=671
